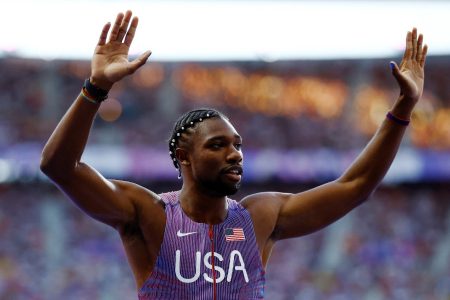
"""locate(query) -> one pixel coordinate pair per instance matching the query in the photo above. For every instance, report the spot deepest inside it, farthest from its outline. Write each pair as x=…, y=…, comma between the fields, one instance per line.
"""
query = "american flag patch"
x=234, y=234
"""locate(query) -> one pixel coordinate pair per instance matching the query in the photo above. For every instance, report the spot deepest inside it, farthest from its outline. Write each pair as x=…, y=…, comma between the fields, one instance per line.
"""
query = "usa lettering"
x=235, y=264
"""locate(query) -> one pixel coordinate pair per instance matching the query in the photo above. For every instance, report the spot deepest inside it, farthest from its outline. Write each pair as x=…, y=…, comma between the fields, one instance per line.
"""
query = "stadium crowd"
x=396, y=246
x=297, y=104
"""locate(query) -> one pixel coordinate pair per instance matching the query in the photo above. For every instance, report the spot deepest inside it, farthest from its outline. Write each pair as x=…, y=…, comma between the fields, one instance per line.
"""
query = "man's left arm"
x=306, y=212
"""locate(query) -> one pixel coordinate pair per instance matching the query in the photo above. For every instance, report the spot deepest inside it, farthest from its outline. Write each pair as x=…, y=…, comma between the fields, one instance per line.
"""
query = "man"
x=197, y=243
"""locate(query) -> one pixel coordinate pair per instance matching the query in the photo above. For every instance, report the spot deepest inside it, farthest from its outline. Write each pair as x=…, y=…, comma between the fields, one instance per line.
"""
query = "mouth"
x=233, y=173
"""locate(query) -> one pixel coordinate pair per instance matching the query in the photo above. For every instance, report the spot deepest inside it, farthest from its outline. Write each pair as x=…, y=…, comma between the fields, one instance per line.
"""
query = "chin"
x=232, y=189
x=231, y=192
x=224, y=189
x=236, y=188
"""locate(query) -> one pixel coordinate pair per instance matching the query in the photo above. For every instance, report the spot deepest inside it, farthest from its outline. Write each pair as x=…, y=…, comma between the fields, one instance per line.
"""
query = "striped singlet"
x=183, y=269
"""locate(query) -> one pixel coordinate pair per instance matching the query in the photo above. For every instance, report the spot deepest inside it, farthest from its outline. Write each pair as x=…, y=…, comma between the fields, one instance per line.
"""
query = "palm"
x=110, y=61
x=410, y=74
x=413, y=79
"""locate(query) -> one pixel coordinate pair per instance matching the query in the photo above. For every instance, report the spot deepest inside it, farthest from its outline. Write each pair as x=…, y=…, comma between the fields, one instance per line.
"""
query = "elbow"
x=52, y=168
x=47, y=166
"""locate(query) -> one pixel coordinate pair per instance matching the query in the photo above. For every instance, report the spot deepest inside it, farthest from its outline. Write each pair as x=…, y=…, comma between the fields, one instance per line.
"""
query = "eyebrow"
x=224, y=137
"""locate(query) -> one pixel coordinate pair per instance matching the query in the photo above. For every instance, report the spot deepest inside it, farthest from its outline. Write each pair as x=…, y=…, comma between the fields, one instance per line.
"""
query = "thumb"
x=139, y=61
x=396, y=73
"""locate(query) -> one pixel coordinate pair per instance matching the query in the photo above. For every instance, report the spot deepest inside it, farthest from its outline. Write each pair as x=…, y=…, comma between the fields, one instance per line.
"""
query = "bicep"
x=107, y=201
x=309, y=211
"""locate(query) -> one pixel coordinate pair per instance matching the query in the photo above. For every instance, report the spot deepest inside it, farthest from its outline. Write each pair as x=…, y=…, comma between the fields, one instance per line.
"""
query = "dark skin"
x=138, y=213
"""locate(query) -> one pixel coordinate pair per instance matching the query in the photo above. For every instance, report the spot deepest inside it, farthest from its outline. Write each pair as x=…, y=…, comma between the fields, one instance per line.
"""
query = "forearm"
x=65, y=146
x=374, y=161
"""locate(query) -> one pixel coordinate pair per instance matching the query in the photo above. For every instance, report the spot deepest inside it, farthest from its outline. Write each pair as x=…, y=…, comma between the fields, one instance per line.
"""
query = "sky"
x=226, y=30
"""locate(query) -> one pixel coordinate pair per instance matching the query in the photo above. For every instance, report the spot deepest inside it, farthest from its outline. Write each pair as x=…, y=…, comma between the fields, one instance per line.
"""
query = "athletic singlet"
x=183, y=269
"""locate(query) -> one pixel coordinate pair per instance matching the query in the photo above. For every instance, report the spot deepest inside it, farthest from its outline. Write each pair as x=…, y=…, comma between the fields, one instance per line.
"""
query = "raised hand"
x=110, y=61
x=410, y=74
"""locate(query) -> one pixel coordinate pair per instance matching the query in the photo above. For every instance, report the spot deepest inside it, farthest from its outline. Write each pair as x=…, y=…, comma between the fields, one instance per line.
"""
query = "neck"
x=201, y=207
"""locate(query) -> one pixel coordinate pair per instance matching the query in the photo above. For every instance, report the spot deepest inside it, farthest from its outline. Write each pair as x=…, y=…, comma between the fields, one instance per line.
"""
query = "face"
x=216, y=157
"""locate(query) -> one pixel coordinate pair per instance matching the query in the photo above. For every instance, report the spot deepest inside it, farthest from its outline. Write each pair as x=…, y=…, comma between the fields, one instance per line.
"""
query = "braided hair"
x=185, y=126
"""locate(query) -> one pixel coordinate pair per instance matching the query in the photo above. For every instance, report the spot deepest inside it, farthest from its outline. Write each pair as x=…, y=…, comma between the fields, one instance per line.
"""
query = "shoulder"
x=266, y=205
x=264, y=201
x=145, y=202
x=137, y=193
x=170, y=198
x=264, y=209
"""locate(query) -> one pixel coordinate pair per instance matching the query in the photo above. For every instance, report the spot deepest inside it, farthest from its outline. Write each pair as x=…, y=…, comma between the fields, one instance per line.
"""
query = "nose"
x=234, y=156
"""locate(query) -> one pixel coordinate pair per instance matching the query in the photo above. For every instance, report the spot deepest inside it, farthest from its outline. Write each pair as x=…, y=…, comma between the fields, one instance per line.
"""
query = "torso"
x=183, y=267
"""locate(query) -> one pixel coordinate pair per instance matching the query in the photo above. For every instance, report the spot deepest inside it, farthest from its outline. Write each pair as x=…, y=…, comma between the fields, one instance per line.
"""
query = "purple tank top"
x=183, y=269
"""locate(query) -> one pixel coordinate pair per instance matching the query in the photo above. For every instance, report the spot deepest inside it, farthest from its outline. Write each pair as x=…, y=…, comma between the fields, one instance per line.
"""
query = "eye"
x=238, y=146
x=216, y=145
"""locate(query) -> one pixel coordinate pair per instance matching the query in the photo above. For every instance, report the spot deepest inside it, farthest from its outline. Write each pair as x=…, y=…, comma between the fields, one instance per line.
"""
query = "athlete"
x=197, y=243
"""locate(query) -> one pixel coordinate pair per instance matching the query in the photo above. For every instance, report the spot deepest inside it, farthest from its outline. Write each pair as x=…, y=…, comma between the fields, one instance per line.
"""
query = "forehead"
x=215, y=127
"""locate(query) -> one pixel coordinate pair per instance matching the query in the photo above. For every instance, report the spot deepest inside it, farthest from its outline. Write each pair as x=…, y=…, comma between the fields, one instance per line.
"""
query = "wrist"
x=93, y=93
x=400, y=121
x=101, y=84
x=403, y=107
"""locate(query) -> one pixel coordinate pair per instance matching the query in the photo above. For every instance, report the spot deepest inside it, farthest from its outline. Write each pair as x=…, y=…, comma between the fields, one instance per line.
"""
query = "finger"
x=116, y=26
x=419, y=48
x=414, y=43
x=104, y=34
x=124, y=26
x=138, y=62
x=424, y=56
x=408, y=49
x=130, y=34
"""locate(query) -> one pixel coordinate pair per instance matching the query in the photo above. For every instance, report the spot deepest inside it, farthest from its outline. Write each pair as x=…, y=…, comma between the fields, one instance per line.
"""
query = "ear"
x=182, y=156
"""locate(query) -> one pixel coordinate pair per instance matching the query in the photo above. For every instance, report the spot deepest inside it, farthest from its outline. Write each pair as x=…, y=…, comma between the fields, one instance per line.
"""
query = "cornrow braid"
x=184, y=124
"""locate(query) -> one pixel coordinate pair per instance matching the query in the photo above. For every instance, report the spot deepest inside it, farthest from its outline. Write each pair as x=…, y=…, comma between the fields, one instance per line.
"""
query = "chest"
x=192, y=249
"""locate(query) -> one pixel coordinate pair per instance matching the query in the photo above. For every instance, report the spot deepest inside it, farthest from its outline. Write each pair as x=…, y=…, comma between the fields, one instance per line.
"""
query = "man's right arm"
x=109, y=201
